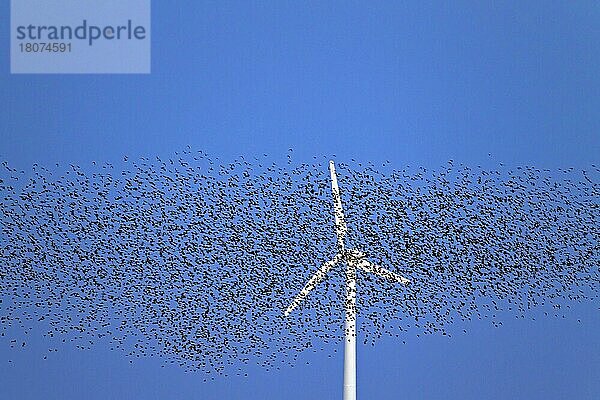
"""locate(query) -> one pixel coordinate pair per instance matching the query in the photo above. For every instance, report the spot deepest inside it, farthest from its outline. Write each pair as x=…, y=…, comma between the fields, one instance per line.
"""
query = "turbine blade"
x=312, y=283
x=378, y=270
x=340, y=223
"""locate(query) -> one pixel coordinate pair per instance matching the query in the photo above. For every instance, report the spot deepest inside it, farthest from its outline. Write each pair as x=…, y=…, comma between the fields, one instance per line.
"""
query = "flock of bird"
x=194, y=261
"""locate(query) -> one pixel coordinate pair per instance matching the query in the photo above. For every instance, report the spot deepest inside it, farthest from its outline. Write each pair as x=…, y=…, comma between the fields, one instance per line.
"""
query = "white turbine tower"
x=353, y=259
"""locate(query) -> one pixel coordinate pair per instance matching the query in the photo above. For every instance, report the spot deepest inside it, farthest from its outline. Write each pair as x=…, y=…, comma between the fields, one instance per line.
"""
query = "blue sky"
x=416, y=84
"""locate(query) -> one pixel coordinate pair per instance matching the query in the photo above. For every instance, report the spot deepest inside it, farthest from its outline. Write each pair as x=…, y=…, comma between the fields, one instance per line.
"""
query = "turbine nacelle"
x=354, y=254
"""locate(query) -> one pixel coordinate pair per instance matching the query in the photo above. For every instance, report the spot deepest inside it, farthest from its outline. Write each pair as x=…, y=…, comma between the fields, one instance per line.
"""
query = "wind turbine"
x=353, y=259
